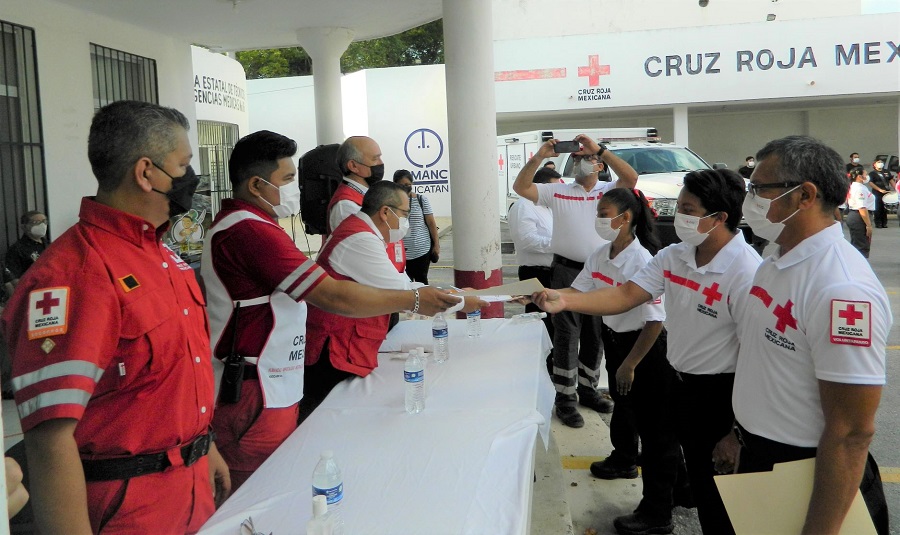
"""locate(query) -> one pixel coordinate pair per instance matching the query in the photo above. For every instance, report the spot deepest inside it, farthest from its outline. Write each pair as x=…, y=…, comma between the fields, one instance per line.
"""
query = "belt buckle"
x=197, y=449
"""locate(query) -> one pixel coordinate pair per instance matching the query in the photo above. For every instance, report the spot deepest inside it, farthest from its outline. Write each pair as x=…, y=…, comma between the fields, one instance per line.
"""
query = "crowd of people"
x=147, y=396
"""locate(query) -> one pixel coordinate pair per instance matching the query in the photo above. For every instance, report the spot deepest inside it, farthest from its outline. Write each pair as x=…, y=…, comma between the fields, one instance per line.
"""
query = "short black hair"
x=400, y=174
x=26, y=217
x=720, y=190
x=854, y=154
x=544, y=175
x=257, y=154
x=806, y=159
x=381, y=193
x=748, y=158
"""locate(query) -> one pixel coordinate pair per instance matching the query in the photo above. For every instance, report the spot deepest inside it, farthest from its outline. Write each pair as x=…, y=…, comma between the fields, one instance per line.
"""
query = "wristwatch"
x=602, y=149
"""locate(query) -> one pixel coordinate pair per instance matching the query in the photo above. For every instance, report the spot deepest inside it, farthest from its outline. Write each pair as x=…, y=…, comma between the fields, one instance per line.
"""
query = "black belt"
x=140, y=465
x=557, y=259
x=250, y=371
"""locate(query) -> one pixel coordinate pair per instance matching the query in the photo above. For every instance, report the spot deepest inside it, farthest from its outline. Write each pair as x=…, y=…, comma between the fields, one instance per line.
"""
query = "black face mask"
x=181, y=196
x=377, y=173
x=407, y=188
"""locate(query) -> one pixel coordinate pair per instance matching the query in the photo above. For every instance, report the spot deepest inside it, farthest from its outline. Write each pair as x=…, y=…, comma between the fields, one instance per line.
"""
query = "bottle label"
x=439, y=333
x=473, y=315
x=333, y=495
x=414, y=376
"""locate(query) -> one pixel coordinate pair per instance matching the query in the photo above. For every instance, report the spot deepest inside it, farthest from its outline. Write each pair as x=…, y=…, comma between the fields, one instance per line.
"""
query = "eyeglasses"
x=405, y=212
x=754, y=189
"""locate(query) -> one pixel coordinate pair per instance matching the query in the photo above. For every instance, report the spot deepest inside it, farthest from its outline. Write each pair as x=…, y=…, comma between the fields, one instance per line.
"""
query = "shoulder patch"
x=48, y=312
x=851, y=323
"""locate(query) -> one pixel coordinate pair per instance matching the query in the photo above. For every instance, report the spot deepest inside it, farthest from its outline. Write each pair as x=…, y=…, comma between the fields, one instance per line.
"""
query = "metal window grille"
x=22, y=174
x=216, y=141
x=119, y=75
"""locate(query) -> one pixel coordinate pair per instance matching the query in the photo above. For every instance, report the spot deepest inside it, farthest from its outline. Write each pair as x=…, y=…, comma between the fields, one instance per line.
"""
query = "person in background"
x=531, y=227
x=24, y=253
x=747, y=169
x=854, y=163
x=551, y=165
x=880, y=183
x=421, y=242
x=861, y=205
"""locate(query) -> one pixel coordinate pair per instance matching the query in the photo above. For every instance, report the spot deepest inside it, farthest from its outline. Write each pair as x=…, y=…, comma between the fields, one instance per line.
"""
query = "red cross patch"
x=785, y=317
x=712, y=294
x=48, y=312
x=851, y=323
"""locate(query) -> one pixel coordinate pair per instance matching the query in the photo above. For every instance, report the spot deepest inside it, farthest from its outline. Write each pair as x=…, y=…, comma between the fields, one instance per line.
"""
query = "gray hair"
x=805, y=159
x=126, y=131
x=348, y=151
x=382, y=193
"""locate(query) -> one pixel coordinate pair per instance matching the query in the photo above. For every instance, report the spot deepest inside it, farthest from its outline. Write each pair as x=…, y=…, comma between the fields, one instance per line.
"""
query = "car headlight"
x=663, y=207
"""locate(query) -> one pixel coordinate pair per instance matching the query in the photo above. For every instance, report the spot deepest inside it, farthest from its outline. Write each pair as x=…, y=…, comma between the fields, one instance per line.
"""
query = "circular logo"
x=423, y=147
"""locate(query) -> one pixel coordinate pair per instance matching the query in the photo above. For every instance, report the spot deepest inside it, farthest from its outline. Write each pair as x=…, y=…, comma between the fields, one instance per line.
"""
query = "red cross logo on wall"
x=851, y=314
x=593, y=70
x=47, y=303
x=785, y=318
x=712, y=294
x=500, y=161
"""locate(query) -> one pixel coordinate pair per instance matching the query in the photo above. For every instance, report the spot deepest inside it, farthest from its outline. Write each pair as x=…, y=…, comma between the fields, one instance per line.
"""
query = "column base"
x=475, y=279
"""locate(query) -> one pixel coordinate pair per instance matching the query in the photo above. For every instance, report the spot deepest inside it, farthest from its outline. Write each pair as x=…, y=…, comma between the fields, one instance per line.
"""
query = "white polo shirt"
x=702, y=303
x=816, y=313
x=530, y=227
x=860, y=197
x=361, y=257
x=602, y=272
x=574, y=211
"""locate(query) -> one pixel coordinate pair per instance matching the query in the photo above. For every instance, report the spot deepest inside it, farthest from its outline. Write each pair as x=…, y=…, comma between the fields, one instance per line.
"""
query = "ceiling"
x=230, y=25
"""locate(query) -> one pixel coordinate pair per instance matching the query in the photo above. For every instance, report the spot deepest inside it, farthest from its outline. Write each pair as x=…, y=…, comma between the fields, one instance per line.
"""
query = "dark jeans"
x=880, y=210
x=318, y=381
x=541, y=273
x=645, y=412
x=577, y=347
x=417, y=268
x=703, y=416
x=760, y=454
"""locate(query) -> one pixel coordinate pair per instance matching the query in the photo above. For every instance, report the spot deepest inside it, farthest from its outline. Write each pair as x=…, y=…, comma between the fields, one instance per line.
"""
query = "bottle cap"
x=320, y=505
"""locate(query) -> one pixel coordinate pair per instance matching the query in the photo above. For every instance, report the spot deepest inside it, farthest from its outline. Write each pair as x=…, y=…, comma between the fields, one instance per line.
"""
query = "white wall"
x=283, y=105
x=220, y=89
x=63, y=36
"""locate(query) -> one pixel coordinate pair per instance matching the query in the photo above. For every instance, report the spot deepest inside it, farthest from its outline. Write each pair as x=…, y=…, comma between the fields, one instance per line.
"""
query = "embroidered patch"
x=851, y=323
x=129, y=283
x=48, y=312
x=48, y=345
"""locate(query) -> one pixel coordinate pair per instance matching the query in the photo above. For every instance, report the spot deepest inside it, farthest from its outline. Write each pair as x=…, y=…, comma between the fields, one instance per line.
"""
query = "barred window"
x=216, y=141
x=119, y=75
x=22, y=184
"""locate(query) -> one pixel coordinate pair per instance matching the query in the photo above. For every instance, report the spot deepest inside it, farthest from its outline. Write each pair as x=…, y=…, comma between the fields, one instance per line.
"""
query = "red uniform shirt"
x=253, y=259
x=109, y=328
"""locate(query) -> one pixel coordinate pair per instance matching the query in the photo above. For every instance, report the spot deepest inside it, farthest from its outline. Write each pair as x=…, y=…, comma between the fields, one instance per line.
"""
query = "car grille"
x=663, y=207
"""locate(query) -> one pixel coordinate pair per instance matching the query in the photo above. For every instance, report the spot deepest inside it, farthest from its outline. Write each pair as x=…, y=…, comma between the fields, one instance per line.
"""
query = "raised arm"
x=602, y=302
x=524, y=185
x=627, y=176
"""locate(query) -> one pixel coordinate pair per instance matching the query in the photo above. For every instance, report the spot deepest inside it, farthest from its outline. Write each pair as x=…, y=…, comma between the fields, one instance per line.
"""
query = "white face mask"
x=879, y=166
x=751, y=163
x=855, y=160
x=289, y=199
x=603, y=226
x=583, y=168
x=39, y=230
x=756, y=209
x=866, y=180
x=686, y=228
x=397, y=234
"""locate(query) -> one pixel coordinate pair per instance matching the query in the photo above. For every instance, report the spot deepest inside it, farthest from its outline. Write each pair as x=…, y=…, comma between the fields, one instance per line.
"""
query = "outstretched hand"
x=549, y=301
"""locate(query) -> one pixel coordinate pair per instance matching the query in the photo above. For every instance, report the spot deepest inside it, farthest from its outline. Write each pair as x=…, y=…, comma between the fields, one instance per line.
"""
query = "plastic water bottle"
x=440, y=334
x=322, y=522
x=528, y=317
x=328, y=481
x=473, y=324
x=414, y=376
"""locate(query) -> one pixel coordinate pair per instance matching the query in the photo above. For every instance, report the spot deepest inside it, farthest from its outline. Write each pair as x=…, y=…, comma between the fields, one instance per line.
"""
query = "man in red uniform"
x=111, y=349
x=249, y=259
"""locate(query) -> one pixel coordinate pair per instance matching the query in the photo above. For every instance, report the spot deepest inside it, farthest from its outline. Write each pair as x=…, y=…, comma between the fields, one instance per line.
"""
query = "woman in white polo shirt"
x=861, y=202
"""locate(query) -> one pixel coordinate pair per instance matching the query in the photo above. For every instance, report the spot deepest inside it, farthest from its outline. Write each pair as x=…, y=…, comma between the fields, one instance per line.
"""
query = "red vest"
x=354, y=342
x=395, y=251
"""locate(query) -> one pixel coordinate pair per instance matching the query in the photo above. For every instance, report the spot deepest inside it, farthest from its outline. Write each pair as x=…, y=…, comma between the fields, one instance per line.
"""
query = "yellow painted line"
x=578, y=463
x=893, y=347
x=890, y=474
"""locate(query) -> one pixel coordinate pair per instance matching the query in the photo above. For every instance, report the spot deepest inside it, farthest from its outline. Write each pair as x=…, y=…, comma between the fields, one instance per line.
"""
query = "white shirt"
x=361, y=257
x=860, y=197
x=816, y=313
x=574, y=211
x=531, y=227
x=343, y=209
x=702, y=303
x=602, y=272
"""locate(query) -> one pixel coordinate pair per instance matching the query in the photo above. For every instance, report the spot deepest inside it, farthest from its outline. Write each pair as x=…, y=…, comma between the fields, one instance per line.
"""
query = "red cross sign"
x=785, y=318
x=712, y=294
x=48, y=312
x=47, y=303
x=593, y=70
x=851, y=323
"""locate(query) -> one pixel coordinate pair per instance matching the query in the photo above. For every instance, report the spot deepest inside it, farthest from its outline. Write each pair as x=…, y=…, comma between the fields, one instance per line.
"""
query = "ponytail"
x=643, y=226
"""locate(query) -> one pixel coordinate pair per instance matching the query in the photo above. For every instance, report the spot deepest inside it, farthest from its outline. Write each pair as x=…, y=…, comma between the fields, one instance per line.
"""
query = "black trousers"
x=646, y=412
x=760, y=454
x=541, y=273
x=417, y=268
x=703, y=416
x=318, y=381
x=880, y=210
x=857, y=228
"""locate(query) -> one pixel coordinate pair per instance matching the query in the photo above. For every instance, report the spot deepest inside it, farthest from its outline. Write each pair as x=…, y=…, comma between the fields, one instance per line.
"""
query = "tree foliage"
x=423, y=45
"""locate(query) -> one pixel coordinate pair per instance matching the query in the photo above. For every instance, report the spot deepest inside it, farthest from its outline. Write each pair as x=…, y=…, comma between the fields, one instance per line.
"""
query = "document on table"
x=776, y=502
x=507, y=292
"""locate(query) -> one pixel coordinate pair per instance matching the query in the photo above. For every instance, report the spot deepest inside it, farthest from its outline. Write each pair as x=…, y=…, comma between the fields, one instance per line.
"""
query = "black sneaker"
x=609, y=469
x=641, y=524
x=570, y=416
x=594, y=400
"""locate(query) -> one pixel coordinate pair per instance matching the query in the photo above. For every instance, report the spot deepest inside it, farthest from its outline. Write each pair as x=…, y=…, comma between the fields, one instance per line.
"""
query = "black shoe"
x=609, y=469
x=594, y=400
x=683, y=498
x=570, y=416
x=640, y=524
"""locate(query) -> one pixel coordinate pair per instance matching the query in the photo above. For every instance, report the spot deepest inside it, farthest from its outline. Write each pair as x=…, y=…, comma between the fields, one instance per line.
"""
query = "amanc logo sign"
x=424, y=149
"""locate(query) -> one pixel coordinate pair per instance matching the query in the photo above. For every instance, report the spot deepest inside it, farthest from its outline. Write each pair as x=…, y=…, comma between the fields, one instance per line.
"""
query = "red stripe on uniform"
x=573, y=198
x=762, y=294
x=681, y=281
x=604, y=278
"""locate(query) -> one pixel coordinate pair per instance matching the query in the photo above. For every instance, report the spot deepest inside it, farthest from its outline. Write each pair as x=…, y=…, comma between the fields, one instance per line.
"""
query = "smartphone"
x=566, y=146
x=546, y=136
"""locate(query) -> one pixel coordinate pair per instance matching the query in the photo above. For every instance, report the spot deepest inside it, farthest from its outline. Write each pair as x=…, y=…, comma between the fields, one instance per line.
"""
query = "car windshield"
x=650, y=160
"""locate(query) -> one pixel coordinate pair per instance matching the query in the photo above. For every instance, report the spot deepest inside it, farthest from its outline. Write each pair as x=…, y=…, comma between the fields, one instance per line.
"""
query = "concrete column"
x=680, y=120
x=472, y=125
x=325, y=46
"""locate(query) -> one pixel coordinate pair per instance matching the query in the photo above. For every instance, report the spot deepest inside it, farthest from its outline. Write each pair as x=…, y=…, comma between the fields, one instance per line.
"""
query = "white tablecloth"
x=464, y=465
